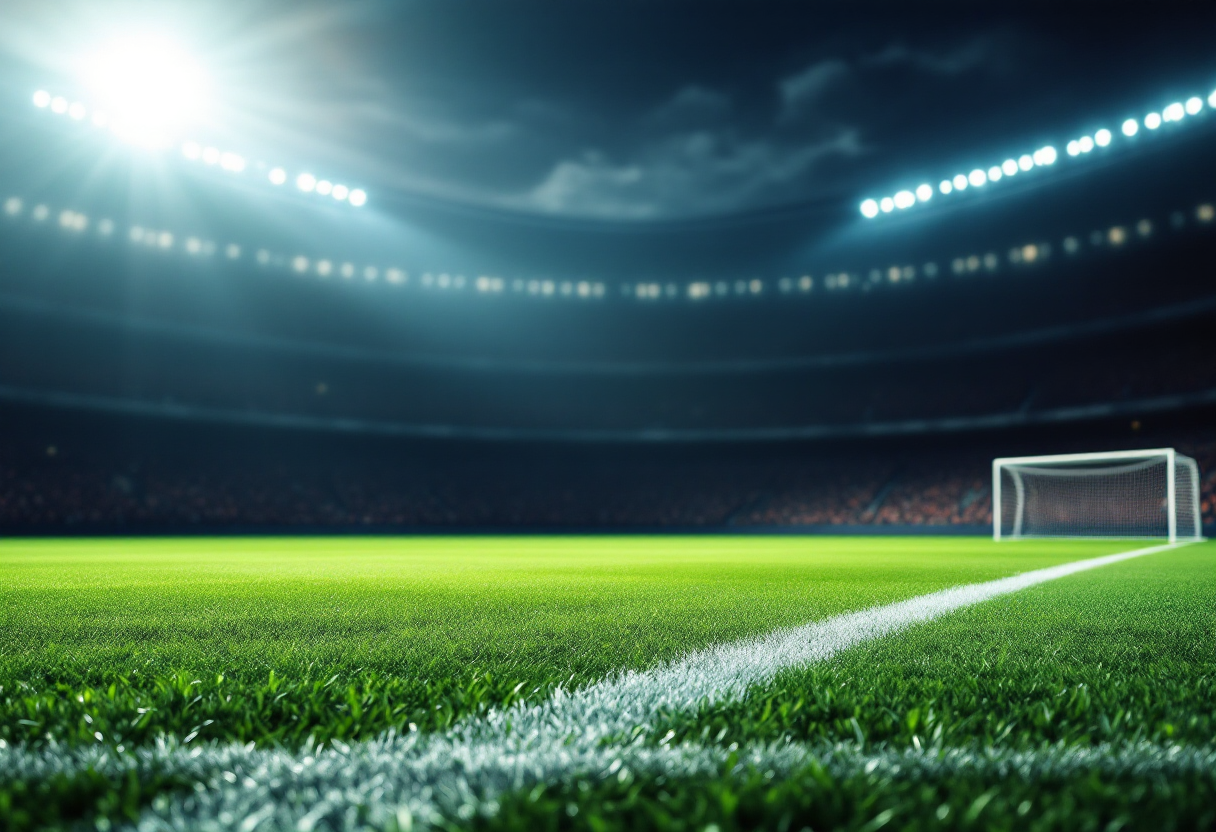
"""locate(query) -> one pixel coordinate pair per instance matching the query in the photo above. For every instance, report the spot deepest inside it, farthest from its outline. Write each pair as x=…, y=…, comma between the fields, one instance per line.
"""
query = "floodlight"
x=59, y=105
x=340, y=192
x=357, y=198
x=977, y=177
x=887, y=205
x=946, y=186
x=1086, y=144
x=869, y=208
x=306, y=182
x=1212, y=100
x=1193, y=105
x=1025, y=161
x=960, y=182
x=325, y=187
x=149, y=84
x=232, y=162
x=1045, y=156
x=924, y=193
x=42, y=99
x=278, y=176
x=1131, y=127
x=1010, y=167
x=905, y=199
x=994, y=173
x=1073, y=148
x=1102, y=137
x=1152, y=121
x=192, y=151
x=1173, y=112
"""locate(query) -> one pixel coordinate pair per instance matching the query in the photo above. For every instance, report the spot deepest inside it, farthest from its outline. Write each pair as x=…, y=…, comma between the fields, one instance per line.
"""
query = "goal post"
x=1121, y=494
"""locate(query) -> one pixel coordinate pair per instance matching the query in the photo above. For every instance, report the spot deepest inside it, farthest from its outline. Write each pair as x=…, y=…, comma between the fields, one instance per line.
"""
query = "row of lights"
x=1043, y=157
x=1023, y=255
x=204, y=154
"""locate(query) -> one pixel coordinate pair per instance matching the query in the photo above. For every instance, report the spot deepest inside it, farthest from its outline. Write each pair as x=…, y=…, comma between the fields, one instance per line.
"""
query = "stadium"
x=612, y=416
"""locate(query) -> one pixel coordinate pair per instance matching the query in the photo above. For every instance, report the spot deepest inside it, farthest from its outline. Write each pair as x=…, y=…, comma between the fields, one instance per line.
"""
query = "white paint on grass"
x=583, y=733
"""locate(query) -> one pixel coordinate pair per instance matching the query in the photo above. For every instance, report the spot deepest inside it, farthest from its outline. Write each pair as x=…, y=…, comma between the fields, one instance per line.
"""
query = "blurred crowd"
x=52, y=488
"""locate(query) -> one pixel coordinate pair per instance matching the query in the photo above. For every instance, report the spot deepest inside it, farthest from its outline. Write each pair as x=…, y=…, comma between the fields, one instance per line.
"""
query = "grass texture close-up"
x=610, y=682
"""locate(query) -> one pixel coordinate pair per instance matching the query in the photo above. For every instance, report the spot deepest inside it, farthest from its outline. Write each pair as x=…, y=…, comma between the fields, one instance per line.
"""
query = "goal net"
x=1152, y=493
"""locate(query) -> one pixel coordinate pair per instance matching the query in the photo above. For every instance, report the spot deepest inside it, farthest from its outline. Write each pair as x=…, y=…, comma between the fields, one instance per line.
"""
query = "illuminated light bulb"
x=341, y=192
x=1173, y=112
x=869, y=208
x=192, y=151
x=1102, y=137
x=42, y=99
x=887, y=204
x=1010, y=167
x=357, y=198
x=1131, y=127
x=924, y=193
x=1152, y=121
x=995, y=173
x=977, y=177
x=325, y=187
x=1193, y=105
x=306, y=182
x=76, y=111
x=960, y=182
x=1086, y=144
x=946, y=186
x=905, y=199
x=278, y=176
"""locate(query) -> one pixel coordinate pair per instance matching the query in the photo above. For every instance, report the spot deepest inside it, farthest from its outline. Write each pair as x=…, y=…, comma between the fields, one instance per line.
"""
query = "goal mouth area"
x=1148, y=494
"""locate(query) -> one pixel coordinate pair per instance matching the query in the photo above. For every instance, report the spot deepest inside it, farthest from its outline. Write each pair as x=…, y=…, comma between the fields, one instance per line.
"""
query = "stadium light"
x=1152, y=121
x=946, y=186
x=1174, y=112
x=1086, y=144
x=277, y=176
x=42, y=99
x=1193, y=105
x=1102, y=138
x=886, y=204
x=905, y=199
x=924, y=193
x=151, y=86
x=977, y=177
x=324, y=187
x=1010, y=167
x=869, y=208
x=960, y=182
x=340, y=192
x=1131, y=127
x=357, y=198
x=306, y=182
x=1212, y=100
x=995, y=173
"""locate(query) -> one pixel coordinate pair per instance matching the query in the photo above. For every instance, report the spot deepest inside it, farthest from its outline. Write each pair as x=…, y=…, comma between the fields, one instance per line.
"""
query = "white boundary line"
x=424, y=777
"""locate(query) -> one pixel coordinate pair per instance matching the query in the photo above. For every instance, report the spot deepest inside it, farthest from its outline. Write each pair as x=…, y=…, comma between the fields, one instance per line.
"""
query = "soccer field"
x=779, y=682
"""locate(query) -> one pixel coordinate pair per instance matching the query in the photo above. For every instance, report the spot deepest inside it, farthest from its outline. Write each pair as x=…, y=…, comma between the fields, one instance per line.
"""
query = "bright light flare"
x=151, y=87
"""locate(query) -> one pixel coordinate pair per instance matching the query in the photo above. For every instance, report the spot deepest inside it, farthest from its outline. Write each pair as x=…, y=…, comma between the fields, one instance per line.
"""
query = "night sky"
x=637, y=112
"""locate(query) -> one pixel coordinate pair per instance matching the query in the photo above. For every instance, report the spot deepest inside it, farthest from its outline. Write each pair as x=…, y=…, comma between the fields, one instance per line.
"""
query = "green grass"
x=275, y=641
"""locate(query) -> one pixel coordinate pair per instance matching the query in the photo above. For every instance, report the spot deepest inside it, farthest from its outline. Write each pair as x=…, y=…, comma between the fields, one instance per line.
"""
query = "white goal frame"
x=1172, y=459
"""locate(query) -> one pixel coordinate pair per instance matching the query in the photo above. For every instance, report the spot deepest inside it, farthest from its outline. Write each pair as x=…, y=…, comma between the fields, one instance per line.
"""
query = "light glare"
x=960, y=183
x=924, y=193
x=1131, y=127
x=1152, y=121
x=1102, y=137
x=869, y=208
x=325, y=187
x=278, y=176
x=1010, y=167
x=1193, y=105
x=42, y=99
x=1173, y=112
x=358, y=198
x=977, y=177
x=905, y=199
x=946, y=186
x=306, y=182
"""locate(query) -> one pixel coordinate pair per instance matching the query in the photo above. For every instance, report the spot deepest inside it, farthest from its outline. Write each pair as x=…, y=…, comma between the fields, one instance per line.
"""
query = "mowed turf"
x=1086, y=702
x=275, y=640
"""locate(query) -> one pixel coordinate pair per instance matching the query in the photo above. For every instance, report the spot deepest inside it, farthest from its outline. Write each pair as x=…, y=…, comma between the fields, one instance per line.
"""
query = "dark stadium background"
x=147, y=391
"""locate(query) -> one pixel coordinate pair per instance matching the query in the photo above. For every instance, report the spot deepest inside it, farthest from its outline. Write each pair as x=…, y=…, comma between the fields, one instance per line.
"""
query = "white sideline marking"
x=429, y=776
